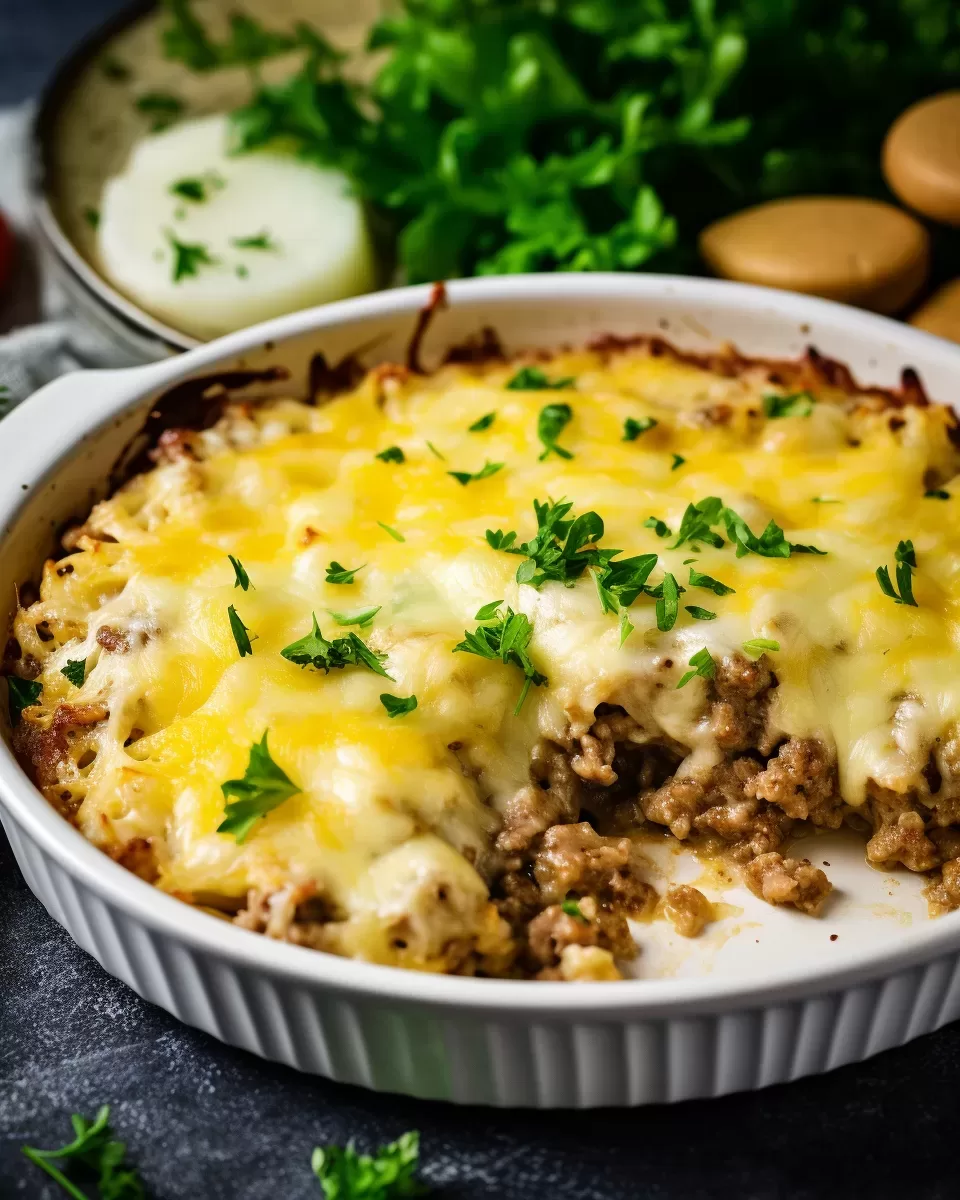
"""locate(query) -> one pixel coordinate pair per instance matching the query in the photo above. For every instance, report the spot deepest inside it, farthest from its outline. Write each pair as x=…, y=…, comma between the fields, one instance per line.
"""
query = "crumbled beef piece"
x=740, y=691
x=687, y=909
x=802, y=780
x=905, y=842
x=517, y=897
x=553, y=929
x=576, y=858
x=943, y=895
x=138, y=856
x=46, y=750
x=598, y=748
x=113, y=640
x=552, y=796
x=677, y=804
x=795, y=881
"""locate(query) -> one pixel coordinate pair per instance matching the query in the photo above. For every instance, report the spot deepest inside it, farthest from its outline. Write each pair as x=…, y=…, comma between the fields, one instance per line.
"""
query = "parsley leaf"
x=394, y=533
x=552, y=421
x=660, y=528
x=937, y=494
x=507, y=641
x=243, y=579
x=678, y=461
x=702, y=664
x=906, y=560
x=571, y=906
x=483, y=423
x=163, y=107
x=626, y=626
x=338, y=574
x=488, y=611
x=392, y=454
x=386, y=1175
x=697, y=522
x=196, y=188
x=96, y=1151
x=188, y=257
x=556, y=551
x=185, y=40
x=264, y=787
x=398, y=706
x=532, y=379
x=798, y=404
x=700, y=614
x=314, y=650
x=488, y=469
x=362, y=618
x=709, y=584
x=241, y=635
x=21, y=693
x=668, y=603
x=633, y=428
x=770, y=544
x=758, y=645
x=435, y=452
x=75, y=671
x=256, y=241
x=92, y=217
x=503, y=541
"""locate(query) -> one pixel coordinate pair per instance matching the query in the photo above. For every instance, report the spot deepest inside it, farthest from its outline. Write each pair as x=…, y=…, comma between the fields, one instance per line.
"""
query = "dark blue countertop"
x=208, y=1123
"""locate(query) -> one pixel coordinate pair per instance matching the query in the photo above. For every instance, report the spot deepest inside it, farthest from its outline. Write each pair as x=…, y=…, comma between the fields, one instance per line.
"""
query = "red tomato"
x=6, y=251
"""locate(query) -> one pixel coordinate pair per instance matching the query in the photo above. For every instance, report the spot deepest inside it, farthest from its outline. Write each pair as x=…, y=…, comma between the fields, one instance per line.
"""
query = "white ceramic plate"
x=765, y=996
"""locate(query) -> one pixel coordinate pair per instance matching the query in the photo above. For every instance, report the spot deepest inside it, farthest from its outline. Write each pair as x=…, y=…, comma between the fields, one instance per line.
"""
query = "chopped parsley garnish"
x=241, y=634
x=435, y=452
x=556, y=551
x=503, y=541
x=633, y=428
x=660, y=528
x=257, y=241
x=678, y=461
x=398, y=706
x=700, y=614
x=75, y=671
x=552, y=421
x=488, y=469
x=507, y=641
x=488, y=611
x=21, y=693
x=263, y=788
x=362, y=618
x=699, y=519
x=188, y=257
x=392, y=454
x=937, y=494
x=162, y=107
x=709, y=584
x=571, y=906
x=532, y=379
x=906, y=560
x=338, y=574
x=241, y=271
x=825, y=500
x=243, y=579
x=315, y=651
x=626, y=625
x=620, y=583
x=758, y=645
x=483, y=423
x=702, y=664
x=667, y=602
x=697, y=522
x=92, y=217
x=95, y=1150
x=394, y=533
x=387, y=1175
x=797, y=404
x=196, y=188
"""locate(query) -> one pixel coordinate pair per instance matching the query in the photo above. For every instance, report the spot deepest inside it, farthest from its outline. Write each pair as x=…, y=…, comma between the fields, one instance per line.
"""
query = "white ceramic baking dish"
x=779, y=1000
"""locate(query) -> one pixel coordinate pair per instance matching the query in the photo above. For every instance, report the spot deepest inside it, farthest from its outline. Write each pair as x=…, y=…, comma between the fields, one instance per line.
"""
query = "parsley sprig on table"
x=95, y=1151
x=388, y=1174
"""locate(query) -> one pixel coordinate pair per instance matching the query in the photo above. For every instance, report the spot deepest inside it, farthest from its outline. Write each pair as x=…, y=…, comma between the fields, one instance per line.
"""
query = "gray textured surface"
x=208, y=1123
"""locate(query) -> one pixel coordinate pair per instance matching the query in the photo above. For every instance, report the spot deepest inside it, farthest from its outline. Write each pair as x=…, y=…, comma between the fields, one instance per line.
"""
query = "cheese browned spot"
x=459, y=836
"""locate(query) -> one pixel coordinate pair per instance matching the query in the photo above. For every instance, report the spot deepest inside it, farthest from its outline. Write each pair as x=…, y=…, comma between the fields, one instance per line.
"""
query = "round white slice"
x=269, y=235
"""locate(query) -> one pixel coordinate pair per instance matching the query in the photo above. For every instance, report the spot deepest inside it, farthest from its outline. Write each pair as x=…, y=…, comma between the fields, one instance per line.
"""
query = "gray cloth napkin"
x=39, y=337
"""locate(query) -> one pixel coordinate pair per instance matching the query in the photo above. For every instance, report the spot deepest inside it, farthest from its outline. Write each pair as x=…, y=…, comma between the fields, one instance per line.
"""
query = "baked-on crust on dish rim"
x=411, y=675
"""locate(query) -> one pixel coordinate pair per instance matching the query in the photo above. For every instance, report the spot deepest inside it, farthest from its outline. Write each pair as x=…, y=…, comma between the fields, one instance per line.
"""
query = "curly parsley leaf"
x=75, y=671
x=552, y=421
x=314, y=650
x=797, y=404
x=906, y=561
x=700, y=614
x=188, y=257
x=241, y=635
x=483, y=423
x=398, y=706
x=264, y=787
x=243, y=579
x=507, y=640
x=21, y=693
x=392, y=454
x=701, y=665
x=96, y=1151
x=338, y=574
x=363, y=618
x=488, y=469
x=633, y=428
x=386, y=1175
x=532, y=379
x=709, y=584
x=759, y=645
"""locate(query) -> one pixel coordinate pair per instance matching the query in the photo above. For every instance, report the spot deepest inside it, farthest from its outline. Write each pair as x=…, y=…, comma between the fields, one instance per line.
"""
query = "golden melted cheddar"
x=392, y=812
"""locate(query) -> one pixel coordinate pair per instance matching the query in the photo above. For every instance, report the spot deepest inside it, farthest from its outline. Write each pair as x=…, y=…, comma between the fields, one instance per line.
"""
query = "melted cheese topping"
x=387, y=807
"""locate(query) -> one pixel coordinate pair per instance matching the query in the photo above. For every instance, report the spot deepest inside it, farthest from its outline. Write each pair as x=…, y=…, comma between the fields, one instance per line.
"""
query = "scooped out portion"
x=211, y=243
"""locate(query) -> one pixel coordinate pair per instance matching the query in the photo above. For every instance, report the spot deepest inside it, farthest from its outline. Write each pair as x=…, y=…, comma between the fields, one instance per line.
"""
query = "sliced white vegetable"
x=310, y=240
